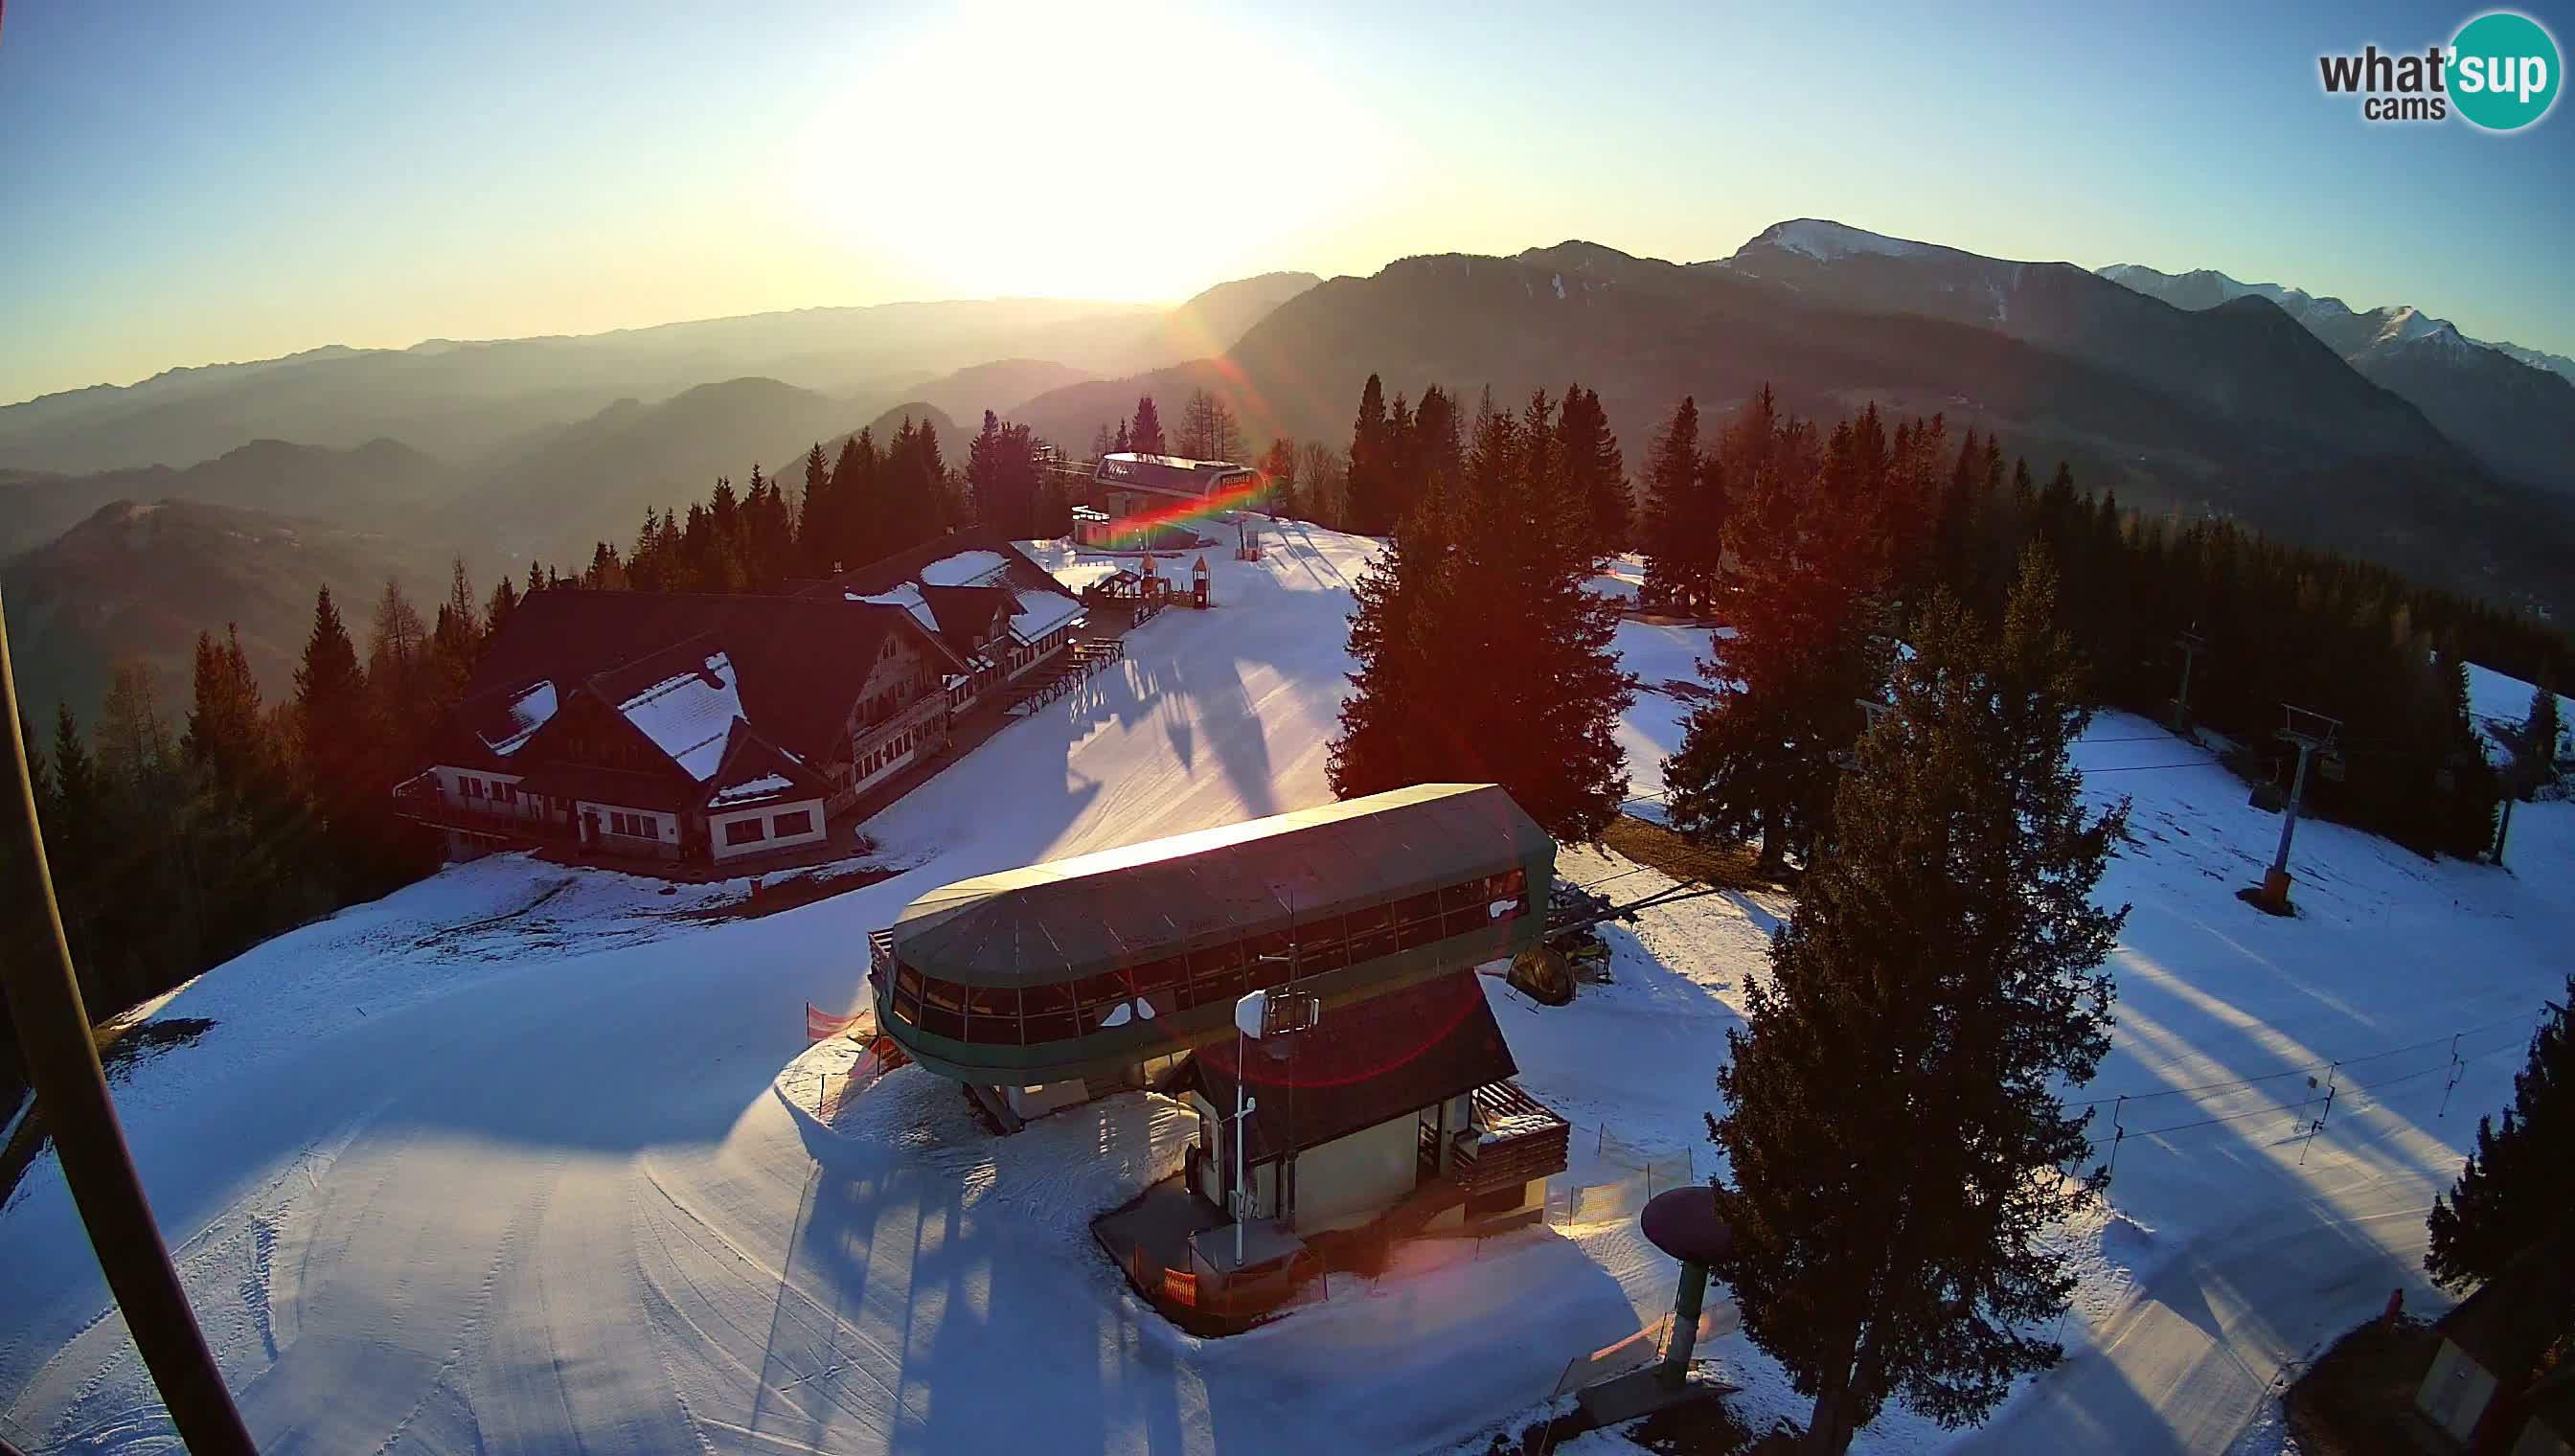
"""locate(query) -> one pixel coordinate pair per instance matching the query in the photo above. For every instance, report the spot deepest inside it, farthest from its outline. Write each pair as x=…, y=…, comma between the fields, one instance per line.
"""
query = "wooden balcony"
x=1516, y=1140
x=526, y=821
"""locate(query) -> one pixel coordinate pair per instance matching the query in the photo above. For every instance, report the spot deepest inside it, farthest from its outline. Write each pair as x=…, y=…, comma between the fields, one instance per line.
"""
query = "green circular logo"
x=2503, y=71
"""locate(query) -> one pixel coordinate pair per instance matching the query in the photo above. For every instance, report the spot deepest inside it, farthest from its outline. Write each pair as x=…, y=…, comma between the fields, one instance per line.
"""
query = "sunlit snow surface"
x=505, y=1161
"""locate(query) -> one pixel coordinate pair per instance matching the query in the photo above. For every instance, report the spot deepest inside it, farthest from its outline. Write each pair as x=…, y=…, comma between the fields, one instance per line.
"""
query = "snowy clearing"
x=504, y=1163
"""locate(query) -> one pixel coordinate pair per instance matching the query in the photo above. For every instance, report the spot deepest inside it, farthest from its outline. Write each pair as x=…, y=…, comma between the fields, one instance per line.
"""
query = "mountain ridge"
x=2515, y=413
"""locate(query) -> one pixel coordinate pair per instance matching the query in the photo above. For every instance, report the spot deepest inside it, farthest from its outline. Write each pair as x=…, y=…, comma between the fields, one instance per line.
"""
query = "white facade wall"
x=1346, y=1181
x=1353, y=1179
x=664, y=828
x=770, y=839
x=453, y=788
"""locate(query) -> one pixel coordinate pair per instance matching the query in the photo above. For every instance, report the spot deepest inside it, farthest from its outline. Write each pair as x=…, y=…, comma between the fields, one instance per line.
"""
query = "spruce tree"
x=224, y=724
x=814, y=514
x=2519, y=1185
x=1145, y=434
x=1806, y=645
x=1489, y=576
x=1595, y=473
x=1895, y=1144
x=1368, y=492
x=1674, y=561
x=331, y=709
x=504, y=604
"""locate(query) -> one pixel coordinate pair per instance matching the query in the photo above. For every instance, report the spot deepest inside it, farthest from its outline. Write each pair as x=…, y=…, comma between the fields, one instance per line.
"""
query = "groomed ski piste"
x=524, y=1158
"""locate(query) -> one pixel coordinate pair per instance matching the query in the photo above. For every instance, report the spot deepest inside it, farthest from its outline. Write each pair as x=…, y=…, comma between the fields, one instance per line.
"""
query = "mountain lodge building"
x=701, y=727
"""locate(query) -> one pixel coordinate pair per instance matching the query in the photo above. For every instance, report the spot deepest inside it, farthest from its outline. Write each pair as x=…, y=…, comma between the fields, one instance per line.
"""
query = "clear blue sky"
x=186, y=183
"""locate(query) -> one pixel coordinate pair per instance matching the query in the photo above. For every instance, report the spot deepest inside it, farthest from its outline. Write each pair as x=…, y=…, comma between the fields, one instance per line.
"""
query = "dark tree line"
x=177, y=843
x=1811, y=543
x=863, y=506
x=1403, y=454
x=1482, y=654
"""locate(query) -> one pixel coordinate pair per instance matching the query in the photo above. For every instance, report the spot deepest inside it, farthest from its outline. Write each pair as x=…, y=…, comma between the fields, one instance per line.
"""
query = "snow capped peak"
x=2405, y=324
x=1821, y=239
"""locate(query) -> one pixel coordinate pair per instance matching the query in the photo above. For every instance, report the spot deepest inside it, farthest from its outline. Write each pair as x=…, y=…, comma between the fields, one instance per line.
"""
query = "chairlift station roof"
x=1069, y=918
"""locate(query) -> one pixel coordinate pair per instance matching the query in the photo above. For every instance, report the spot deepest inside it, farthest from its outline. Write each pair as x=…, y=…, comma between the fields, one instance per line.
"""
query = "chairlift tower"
x=2313, y=733
x=2190, y=644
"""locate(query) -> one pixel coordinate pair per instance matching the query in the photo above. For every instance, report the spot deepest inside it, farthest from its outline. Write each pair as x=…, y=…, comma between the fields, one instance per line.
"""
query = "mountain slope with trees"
x=138, y=580
x=378, y=485
x=2310, y=453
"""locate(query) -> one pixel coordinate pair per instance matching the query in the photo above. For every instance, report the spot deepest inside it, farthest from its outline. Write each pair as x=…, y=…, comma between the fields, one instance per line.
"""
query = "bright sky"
x=189, y=182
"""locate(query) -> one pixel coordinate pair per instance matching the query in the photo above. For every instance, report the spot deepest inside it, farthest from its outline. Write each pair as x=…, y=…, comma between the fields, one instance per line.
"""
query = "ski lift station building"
x=1103, y=967
x=1395, y=1112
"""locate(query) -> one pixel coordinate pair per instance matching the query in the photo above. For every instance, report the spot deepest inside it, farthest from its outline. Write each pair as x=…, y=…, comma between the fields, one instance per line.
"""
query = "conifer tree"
x=69, y=834
x=1368, y=492
x=1491, y=576
x=225, y=724
x=1808, y=642
x=2519, y=1185
x=1437, y=449
x=331, y=709
x=814, y=514
x=1145, y=436
x=1895, y=1143
x=1681, y=527
x=1596, y=474
x=504, y=604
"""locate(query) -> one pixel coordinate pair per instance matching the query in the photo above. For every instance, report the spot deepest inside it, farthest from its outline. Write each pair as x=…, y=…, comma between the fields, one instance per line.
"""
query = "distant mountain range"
x=2512, y=407
x=466, y=401
x=383, y=485
x=2384, y=433
x=2235, y=409
x=562, y=490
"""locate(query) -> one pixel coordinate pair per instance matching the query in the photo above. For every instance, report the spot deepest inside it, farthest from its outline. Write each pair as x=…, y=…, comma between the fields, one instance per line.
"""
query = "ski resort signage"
x=2500, y=73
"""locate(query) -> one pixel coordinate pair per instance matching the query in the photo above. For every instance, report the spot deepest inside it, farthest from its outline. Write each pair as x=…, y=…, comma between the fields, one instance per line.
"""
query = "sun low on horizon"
x=1080, y=157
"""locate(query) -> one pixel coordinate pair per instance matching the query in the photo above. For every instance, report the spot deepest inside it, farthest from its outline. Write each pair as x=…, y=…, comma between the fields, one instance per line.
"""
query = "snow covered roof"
x=1169, y=475
x=767, y=785
x=966, y=579
x=797, y=661
x=758, y=771
x=1070, y=918
x=1039, y=613
x=905, y=596
x=525, y=713
x=687, y=714
x=965, y=568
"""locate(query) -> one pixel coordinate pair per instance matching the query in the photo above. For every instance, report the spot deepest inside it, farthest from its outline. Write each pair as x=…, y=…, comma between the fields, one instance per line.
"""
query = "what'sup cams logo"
x=2500, y=73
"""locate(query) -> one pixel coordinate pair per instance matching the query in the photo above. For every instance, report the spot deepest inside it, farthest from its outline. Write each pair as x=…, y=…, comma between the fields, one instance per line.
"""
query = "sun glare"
x=1011, y=134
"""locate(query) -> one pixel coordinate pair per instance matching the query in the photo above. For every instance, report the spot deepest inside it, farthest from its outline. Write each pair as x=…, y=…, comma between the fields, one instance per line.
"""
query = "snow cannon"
x=1684, y=1223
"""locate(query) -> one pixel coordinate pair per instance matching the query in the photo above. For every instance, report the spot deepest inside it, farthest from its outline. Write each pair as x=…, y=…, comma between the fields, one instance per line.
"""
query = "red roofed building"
x=683, y=726
x=1000, y=614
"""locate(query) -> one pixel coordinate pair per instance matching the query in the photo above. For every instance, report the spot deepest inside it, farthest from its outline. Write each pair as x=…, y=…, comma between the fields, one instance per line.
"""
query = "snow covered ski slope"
x=499, y=1163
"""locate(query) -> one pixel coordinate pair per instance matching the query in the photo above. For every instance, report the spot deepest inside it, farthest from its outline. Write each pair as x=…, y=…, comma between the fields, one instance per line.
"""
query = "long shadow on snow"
x=970, y=1296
